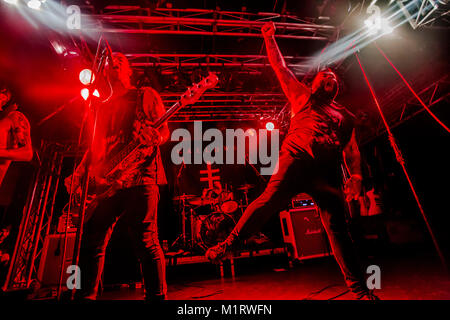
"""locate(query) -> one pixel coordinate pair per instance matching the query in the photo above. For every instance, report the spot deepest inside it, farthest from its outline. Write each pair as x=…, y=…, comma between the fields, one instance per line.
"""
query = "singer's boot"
x=222, y=250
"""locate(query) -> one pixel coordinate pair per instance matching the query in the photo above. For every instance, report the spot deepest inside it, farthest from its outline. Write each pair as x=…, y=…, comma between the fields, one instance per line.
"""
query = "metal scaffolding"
x=229, y=106
x=197, y=22
x=400, y=106
x=245, y=63
x=37, y=218
x=227, y=102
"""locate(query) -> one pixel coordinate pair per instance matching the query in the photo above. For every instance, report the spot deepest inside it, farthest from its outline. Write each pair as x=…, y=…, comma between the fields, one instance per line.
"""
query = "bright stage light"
x=85, y=93
x=11, y=1
x=85, y=76
x=96, y=93
x=34, y=4
x=270, y=126
x=375, y=27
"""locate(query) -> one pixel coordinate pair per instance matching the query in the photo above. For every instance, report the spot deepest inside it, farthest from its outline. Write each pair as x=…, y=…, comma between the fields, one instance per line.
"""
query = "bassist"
x=124, y=118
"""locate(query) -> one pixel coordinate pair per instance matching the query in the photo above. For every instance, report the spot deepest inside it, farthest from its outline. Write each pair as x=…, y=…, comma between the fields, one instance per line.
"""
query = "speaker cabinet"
x=304, y=234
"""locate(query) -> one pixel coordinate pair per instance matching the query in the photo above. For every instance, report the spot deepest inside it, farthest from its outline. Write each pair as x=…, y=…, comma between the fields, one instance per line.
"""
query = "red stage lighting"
x=86, y=76
x=270, y=126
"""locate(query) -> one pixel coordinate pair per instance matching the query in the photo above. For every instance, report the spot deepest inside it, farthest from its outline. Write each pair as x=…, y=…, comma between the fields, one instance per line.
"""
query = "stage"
x=406, y=275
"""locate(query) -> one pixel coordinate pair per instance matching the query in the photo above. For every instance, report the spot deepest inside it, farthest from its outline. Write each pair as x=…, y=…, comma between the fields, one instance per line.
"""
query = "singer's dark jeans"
x=321, y=179
x=138, y=206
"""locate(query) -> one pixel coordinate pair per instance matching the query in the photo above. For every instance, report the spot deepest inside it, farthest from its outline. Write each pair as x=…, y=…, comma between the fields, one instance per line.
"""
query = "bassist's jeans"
x=138, y=206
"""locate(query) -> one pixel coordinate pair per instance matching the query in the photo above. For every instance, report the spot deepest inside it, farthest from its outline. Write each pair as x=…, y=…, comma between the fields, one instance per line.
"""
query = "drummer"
x=217, y=193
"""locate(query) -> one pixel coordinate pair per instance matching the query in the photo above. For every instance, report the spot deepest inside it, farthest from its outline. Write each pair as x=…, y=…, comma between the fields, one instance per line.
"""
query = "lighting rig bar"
x=246, y=63
x=432, y=94
x=201, y=22
x=429, y=12
x=228, y=106
x=229, y=102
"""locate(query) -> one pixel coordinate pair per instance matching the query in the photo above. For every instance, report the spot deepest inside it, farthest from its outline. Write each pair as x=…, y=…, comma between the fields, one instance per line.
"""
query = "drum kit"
x=211, y=217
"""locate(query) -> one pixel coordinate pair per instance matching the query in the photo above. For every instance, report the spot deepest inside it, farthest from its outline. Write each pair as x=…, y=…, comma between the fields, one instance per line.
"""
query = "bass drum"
x=214, y=228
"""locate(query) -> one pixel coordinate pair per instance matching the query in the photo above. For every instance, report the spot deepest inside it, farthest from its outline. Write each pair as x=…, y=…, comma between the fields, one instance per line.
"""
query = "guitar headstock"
x=193, y=93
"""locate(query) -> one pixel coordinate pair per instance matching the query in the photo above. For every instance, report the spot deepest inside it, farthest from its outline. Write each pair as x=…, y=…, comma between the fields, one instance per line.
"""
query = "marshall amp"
x=303, y=231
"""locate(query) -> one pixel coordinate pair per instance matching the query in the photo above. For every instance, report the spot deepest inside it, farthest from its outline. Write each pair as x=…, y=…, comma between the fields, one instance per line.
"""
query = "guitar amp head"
x=302, y=200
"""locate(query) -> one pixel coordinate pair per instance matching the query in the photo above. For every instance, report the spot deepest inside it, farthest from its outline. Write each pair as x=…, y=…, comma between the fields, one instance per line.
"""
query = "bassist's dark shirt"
x=118, y=126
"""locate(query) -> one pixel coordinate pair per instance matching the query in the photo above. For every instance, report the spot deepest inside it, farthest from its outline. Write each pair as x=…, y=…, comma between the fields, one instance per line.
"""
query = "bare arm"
x=22, y=137
x=296, y=92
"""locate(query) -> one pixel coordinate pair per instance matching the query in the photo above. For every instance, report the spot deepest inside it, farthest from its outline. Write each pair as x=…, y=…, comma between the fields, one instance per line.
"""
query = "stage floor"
x=403, y=276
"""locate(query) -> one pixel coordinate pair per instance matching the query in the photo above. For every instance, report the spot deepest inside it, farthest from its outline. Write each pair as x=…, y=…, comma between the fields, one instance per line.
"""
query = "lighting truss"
x=228, y=106
x=223, y=104
x=135, y=20
x=36, y=221
x=424, y=12
x=399, y=105
x=170, y=63
x=242, y=65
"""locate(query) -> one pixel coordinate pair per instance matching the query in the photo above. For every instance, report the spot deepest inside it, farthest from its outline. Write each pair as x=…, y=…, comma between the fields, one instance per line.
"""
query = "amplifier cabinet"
x=304, y=234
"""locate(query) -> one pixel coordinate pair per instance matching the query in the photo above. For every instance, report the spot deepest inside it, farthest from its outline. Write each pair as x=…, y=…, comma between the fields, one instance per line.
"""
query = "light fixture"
x=85, y=93
x=34, y=4
x=375, y=26
x=86, y=76
x=11, y=1
x=270, y=126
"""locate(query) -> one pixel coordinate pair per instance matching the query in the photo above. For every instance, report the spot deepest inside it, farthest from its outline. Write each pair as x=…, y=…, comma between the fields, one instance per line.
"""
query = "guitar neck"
x=174, y=108
x=132, y=146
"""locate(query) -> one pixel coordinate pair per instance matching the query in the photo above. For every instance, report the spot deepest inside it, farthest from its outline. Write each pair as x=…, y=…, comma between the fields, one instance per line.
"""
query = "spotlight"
x=270, y=126
x=85, y=76
x=96, y=93
x=59, y=48
x=11, y=1
x=85, y=93
x=34, y=4
x=375, y=26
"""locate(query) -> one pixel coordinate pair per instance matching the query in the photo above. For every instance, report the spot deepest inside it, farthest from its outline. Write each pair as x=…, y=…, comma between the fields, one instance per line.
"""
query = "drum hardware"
x=182, y=237
x=245, y=189
x=212, y=217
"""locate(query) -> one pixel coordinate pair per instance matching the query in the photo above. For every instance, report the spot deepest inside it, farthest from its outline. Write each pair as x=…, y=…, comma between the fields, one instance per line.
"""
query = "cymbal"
x=246, y=187
x=184, y=197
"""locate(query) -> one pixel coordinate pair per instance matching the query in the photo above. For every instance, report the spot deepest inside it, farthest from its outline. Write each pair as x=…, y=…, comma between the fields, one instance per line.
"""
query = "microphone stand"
x=91, y=107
